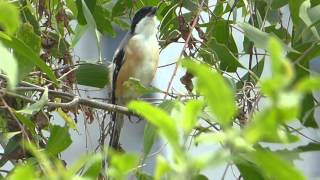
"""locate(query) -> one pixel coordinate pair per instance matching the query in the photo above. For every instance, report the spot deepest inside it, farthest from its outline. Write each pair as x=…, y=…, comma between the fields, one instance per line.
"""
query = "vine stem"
x=194, y=23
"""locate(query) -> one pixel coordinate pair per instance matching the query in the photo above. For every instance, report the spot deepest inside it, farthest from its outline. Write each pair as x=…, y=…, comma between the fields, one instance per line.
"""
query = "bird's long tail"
x=117, y=124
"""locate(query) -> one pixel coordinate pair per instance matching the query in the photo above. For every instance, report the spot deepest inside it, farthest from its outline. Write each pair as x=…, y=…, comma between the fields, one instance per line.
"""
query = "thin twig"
x=297, y=131
x=194, y=23
x=225, y=172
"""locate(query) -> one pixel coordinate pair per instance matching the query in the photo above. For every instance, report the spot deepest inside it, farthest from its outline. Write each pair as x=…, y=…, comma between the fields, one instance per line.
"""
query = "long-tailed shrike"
x=137, y=57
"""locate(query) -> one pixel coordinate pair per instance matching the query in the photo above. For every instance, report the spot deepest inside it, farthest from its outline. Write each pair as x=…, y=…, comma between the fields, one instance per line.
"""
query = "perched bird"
x=136, y=57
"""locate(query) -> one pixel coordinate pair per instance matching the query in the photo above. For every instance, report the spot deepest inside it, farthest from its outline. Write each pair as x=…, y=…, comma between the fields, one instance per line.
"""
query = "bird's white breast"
x=142, y=56
x=149, y=49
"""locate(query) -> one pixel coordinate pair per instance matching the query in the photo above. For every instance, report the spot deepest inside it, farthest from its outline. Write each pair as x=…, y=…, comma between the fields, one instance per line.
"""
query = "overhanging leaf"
x=190, y=112
x=67, y=119
x=303, y=14
x=92, y=23
x=158, y=118
x=94, y=166
x=95, y=75
x=248, y=170
x=25, y=51
x=228, y=62
x=135, y=86
x=294, y=6
x=308, y=84
x=9, y=17
x=27, y=122
x=79, y=31
x=220, y=100
x=150, y=133
x=23, y=171
x=9, y=66
x=59, y=140
x=259, y=38
x=309, y=147
x=26, y=35
x=273, y=166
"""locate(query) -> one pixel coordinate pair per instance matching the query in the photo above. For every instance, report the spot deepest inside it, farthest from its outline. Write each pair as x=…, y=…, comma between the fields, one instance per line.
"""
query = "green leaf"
x=307, y=111
x=294, y=6
x=94, y=167
x=162, y=166
x=29, y=17
x=95, y=75
x=220, y=100
x=71, y=4
x=222, y=34
x=27, y=122
x=267, y=119
x=122, y=24
x=199, y=177
x=102, y=20
x=228, y=62
x=273, y=16
x=280, y=32
x=288, y=155
x=190, y=113
x=191, y=5
x=88, y=3
x=308, y=84
x=24, y=171
x=92, y=24
x=27, y=36
x=273, y=167
x=135, y=85
x=276, y=4
x=37, y=106
x=9, y=17
x=11, y=146
x=158, y=118
x=282, y=70
x=314, y=14
x=303, y=14
x=218, y=9
x=67, y=119
x=59, y=140
x=169, y=105
x=22, y=49
x=119, y=8
x=79, y=31
x=259, y=38
x=143, y=176
x=169, y=17
x=309, y=147
x=9, y=66
x=149, y=136
x=257, y=70
x=248, y=170
x=121, y=165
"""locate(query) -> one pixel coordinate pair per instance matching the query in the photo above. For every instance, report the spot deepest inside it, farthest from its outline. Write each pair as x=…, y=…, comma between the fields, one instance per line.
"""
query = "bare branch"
x=76, y=101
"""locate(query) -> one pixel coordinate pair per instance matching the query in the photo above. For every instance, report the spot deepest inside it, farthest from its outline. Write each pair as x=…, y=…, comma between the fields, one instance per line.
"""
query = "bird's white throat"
x=147, y=27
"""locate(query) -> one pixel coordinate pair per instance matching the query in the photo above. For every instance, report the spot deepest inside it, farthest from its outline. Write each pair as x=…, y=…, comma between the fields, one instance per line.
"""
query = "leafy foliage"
x=233, y=104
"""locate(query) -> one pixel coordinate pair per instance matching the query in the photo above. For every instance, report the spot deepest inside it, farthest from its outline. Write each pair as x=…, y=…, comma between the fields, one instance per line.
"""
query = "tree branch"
x=76, y=101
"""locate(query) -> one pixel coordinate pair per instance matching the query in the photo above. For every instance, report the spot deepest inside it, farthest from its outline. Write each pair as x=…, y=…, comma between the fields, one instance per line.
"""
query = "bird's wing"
x=117, y=61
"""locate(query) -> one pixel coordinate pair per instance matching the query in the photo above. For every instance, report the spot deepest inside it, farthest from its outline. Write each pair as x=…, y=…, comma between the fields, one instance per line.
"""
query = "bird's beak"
x=153, y=11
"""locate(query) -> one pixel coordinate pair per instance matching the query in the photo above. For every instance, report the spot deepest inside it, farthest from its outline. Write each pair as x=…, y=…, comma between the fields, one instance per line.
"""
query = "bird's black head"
x=143, y=12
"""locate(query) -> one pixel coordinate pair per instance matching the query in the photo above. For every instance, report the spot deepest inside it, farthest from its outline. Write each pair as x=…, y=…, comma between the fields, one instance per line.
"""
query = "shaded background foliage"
x=222, y=102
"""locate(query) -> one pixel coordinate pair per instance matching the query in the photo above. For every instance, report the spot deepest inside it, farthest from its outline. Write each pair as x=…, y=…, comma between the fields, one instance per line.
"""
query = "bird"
x=137, y=56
